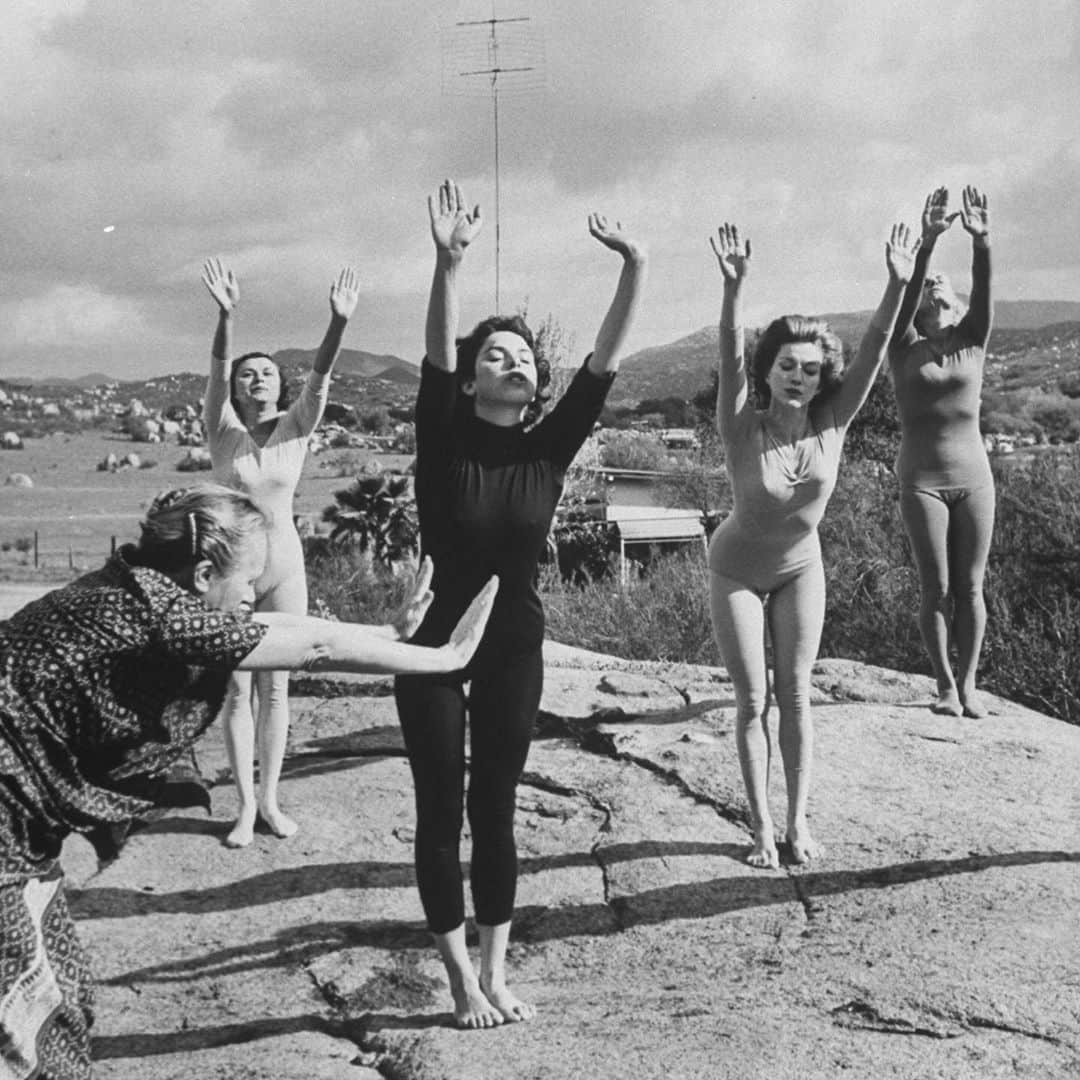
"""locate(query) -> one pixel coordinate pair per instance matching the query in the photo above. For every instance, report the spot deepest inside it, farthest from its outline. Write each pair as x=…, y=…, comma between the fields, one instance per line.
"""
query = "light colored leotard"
x=269, y=474
x=937, y=397
x=938, y=390
x=780, y=493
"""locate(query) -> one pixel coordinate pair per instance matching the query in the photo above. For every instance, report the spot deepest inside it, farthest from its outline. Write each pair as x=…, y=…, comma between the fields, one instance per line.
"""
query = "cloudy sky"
x=293, y=136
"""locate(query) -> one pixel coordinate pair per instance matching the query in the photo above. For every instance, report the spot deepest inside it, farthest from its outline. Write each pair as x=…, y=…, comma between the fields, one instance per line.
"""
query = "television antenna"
x=507, y=57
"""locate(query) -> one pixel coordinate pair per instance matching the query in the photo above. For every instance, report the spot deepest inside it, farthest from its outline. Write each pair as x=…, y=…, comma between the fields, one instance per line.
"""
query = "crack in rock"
x=861, y=1015
x=811, y=909
x=988, y=1024
x=553, y=787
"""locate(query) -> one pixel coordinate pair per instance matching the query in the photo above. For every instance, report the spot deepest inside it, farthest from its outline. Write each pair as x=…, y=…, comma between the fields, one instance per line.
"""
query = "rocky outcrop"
x=937, y=937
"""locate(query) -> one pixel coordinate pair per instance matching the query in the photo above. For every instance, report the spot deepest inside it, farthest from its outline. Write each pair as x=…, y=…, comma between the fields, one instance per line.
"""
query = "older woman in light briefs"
x=765, y=557
x=936, y=358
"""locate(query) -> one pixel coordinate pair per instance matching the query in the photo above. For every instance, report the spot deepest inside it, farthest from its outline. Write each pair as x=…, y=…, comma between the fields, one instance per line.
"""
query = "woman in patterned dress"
x=258, y=442
x=106, y=683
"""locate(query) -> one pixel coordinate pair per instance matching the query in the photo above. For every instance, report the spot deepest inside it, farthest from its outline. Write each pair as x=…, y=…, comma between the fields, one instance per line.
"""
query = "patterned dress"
x=104, y=684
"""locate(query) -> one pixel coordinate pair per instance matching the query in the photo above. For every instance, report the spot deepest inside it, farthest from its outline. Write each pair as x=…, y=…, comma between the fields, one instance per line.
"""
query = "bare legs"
x=485, y=1001
x=796, y=612
x=738, y=618
x=950, y=534
x=472, y=1009
x=272, y=731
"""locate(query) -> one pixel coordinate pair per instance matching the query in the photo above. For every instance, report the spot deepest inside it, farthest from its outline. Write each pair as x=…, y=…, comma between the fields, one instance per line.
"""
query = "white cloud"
x=70, y=314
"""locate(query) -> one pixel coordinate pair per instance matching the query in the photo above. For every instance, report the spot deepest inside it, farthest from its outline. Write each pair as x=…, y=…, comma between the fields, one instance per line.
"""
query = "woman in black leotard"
x=486, y=490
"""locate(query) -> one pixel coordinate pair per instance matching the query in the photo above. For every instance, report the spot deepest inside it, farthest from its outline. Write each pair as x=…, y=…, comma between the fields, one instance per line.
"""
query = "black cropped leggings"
x=502, y=706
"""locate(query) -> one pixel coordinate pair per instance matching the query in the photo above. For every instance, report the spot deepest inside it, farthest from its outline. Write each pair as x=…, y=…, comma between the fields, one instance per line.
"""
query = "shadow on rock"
x=302, y=943
x=113, y=1047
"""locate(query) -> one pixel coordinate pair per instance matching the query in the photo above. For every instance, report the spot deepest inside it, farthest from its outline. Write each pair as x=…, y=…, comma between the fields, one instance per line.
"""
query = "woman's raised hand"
x=900, y=251
x=344, y=293
x=465, y=637
x=453, y=225
x=975, y=215
x=935, y=216
x=614, y=236
x=222, y=284
x=732, y=252
x=407, y=621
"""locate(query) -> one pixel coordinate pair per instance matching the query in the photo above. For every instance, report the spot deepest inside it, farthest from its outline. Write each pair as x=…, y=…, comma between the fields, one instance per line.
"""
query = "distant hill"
x=683, y=367
x=355, y=362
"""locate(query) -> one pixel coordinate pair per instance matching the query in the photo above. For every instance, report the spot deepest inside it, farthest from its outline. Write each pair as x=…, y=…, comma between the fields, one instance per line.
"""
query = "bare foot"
x=511, y=1007
x=242, y=833
x=281, y=825
x=803, y=846
x=763, y=851
x=947, y=703
x=974, y=705
x=472, y=1010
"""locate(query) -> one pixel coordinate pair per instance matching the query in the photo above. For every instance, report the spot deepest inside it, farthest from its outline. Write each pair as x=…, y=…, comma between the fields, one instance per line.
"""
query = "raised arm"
x=344, y=294
x=223, y=287
x=303, y=642
x=900, y=255
x=453, y=228
x=607, y=352
x=975, y=216
x=936, y=219
x=732, y=394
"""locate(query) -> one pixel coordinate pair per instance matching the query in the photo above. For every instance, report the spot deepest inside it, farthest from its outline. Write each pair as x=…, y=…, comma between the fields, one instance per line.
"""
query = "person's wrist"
x=981, y=241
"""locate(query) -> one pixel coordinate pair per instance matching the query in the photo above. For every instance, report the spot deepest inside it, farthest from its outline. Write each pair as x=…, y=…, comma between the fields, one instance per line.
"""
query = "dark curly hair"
x=283, y=395
x=468, y=348
x=794, y=330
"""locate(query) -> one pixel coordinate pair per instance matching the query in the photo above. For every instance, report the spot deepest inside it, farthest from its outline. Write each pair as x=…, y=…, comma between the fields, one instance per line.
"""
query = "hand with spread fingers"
x=732, y=253
x=453, y=225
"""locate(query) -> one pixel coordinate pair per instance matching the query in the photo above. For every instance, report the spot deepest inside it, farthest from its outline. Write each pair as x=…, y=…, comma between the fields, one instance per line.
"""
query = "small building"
x=648, y=525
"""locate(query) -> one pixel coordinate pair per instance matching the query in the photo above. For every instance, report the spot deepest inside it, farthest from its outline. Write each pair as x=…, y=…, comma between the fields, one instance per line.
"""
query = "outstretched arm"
x=900, y=256
x=453, y=228
x=975, y=217
x=222, y=285
x=344, y=294
x=302, y=642
x=936, y=219
x=607, y=352
x=732, y=393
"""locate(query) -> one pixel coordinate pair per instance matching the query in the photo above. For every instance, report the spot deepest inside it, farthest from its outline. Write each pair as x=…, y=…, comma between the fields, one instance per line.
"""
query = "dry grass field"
x=77, y=510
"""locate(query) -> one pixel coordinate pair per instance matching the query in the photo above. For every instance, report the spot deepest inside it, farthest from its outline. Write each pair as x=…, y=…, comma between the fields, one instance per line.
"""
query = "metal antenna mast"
x=493, y=71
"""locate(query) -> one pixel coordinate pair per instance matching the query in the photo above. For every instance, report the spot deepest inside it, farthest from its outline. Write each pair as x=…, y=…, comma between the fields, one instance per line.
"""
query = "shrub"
x=633, y=450
x=662, y=616
x=344, y=583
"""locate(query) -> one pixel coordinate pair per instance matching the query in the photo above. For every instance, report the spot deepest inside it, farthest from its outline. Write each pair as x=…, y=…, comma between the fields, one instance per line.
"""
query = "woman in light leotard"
x=258, y=447
x=946, y=488
x=765, y=557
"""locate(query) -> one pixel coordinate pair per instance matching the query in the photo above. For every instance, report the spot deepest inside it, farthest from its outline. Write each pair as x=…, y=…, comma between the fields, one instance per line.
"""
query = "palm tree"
x=377, y=514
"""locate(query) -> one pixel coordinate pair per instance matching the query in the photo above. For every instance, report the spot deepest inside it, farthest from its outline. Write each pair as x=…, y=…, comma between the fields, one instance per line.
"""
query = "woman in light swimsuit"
x=765, y=557
x=258, y=447
x=937, y=357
